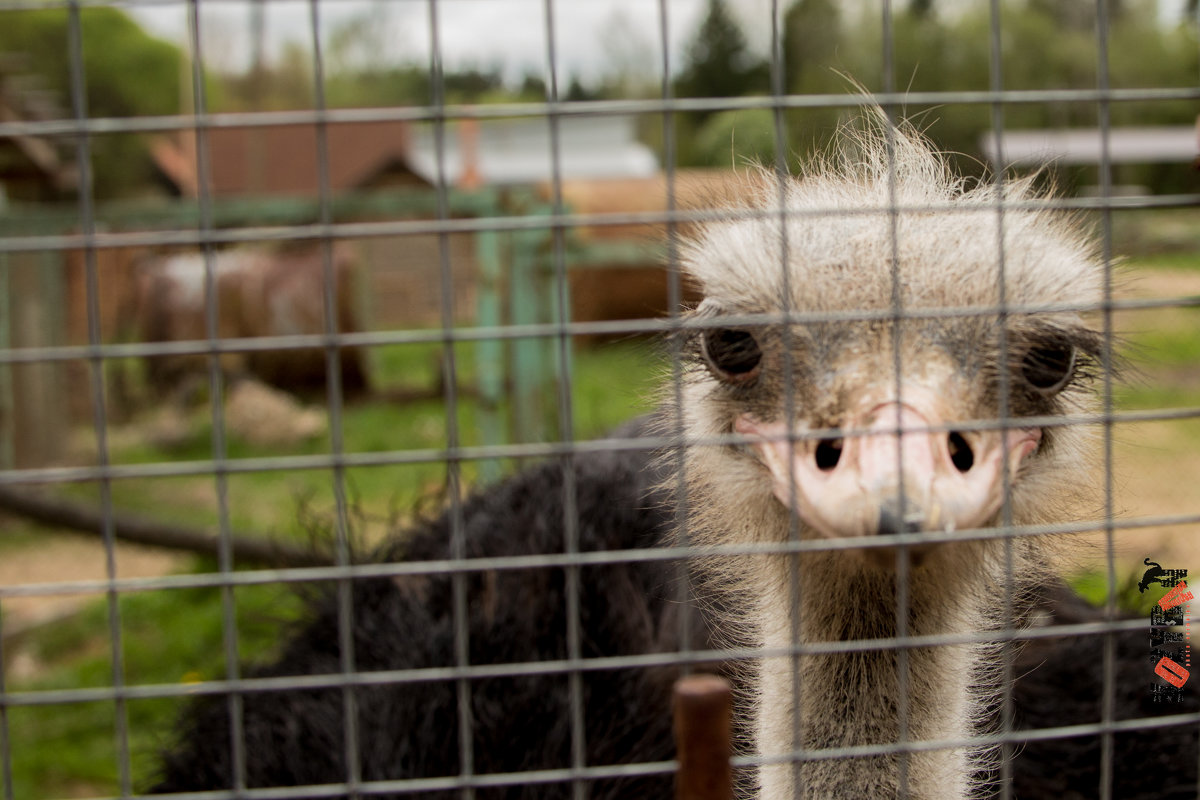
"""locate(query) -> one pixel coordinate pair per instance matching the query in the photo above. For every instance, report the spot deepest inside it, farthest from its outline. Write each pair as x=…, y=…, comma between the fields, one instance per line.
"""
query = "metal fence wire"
x=452, y=567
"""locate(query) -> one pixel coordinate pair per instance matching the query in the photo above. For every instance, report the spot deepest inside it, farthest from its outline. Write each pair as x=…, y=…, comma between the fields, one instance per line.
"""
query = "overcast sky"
x=590, y=34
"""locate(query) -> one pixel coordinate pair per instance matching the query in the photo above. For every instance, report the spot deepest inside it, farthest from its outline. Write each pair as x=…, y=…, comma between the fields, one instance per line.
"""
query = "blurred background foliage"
x=826, y=47
x=113, y=47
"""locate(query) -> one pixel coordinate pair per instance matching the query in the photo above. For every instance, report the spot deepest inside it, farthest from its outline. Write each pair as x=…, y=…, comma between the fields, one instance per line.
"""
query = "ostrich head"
x=881, y=346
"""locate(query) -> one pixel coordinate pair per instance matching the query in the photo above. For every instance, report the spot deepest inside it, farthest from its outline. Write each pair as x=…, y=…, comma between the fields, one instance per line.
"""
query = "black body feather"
x=411, y=730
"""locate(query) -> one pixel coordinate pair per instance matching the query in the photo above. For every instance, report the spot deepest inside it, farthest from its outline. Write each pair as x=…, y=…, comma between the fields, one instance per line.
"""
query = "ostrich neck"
x=819, y=701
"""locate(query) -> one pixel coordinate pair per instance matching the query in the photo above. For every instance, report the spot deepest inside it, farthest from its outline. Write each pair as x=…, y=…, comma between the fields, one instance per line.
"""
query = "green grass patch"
x=1170, y=346
x=1093, y=587
x=611, y=383
x=18, y=534
x=168, y=636
x=1184, y=261
x=1162, y=345
x=614, y=383
x=1147, y=397
x=413, y=365
x=177, y=636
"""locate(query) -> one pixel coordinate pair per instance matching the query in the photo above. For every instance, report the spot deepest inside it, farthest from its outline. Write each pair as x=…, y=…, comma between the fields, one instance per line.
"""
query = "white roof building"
x=1147, y=145
x=518, y=151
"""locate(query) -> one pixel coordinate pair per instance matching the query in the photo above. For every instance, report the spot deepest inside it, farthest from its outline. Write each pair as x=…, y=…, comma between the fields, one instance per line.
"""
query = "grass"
x=177, y=636
x=1093, y=587
x=611, y=383
x=19, y=534
x=166, y=637
x=1183, y=261
x=1163, y=344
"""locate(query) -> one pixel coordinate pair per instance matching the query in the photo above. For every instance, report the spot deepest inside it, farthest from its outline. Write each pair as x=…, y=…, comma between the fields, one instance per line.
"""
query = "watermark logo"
x=1170, y=632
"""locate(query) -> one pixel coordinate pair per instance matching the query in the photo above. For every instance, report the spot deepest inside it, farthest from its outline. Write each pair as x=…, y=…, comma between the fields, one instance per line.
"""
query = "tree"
x=920, y=8
x=811, y=35
x=736, y=139
x=718, y=62
x=577, y=91
x=126, y=73
x=533, y=87
x=472, y=84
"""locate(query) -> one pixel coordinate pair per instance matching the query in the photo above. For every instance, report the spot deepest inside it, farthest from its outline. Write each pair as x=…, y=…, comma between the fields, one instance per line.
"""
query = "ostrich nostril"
x=829, y=452
x=960, y=452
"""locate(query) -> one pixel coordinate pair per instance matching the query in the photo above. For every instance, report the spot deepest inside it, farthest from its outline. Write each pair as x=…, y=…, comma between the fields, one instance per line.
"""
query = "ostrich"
x=855, y=415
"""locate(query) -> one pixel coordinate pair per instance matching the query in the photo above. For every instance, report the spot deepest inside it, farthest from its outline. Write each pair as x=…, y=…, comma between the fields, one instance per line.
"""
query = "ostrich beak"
x=897, y=470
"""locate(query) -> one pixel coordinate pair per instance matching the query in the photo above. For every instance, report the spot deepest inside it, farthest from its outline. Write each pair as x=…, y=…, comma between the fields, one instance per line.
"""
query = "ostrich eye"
x=1049, y=368
x=733, y=355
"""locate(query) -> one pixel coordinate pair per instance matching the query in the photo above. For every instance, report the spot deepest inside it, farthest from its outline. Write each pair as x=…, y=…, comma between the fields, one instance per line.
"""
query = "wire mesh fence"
x=367, y=325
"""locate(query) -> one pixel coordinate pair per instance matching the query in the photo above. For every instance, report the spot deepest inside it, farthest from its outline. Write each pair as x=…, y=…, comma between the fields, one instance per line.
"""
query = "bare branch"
x=131, y=528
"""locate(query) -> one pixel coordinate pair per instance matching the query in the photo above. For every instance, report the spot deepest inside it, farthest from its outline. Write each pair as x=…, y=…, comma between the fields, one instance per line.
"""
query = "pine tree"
x=718, y=62
x=811, y=33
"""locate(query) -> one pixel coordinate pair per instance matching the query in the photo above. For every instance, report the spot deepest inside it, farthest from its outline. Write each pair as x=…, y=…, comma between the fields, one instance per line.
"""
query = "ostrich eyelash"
x=1056, y=360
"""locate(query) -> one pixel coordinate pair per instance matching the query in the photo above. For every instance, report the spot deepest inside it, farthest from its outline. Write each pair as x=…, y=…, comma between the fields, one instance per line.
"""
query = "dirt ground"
x=69, y=557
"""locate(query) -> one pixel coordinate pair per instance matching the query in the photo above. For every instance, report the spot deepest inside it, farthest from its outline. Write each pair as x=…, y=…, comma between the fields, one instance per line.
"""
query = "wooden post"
x=703, y=712
x=33, y=407
x=492, y=374
x=533, y=373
